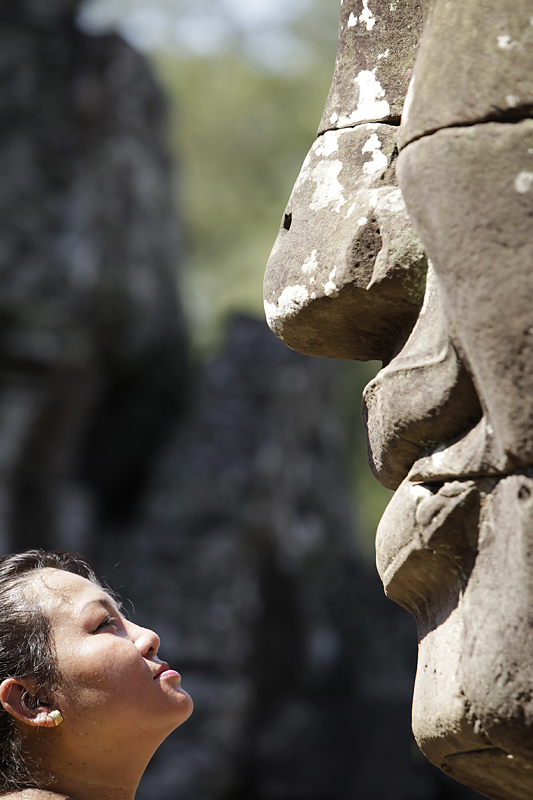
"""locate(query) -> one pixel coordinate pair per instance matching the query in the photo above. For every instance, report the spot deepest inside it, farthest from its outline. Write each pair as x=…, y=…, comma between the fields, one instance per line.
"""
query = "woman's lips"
x=167, y=673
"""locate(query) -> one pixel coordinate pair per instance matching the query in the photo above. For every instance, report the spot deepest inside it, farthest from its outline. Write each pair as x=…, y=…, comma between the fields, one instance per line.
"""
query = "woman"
x=85, y=699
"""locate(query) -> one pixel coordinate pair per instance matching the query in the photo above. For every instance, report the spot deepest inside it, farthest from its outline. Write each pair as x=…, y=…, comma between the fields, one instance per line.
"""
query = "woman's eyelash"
x=106, y=621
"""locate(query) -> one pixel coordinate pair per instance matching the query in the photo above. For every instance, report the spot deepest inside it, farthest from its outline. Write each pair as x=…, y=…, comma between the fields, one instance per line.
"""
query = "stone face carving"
x=449, y=416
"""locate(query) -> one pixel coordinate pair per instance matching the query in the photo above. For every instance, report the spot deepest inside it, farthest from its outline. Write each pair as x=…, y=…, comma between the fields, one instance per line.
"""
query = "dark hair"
x=25, y=650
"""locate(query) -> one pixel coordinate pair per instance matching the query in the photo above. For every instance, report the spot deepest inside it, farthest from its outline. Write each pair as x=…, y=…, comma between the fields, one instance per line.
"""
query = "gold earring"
x=56, y=716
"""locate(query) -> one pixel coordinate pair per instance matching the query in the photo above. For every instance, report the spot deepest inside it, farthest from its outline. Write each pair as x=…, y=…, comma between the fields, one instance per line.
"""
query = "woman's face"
x=111, y=675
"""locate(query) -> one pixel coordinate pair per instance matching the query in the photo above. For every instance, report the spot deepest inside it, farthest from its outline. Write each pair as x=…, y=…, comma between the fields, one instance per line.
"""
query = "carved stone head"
x=413, y=244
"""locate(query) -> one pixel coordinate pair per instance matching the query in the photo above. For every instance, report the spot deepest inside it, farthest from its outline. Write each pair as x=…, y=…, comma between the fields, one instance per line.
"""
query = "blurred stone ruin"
x=215, y=495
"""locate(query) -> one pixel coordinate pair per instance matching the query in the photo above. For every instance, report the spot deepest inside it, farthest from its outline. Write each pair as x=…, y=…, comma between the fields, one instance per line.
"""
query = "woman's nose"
x=146, y=641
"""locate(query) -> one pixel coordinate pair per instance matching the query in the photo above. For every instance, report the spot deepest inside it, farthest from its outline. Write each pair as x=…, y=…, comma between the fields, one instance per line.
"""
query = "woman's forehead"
x=52, y=587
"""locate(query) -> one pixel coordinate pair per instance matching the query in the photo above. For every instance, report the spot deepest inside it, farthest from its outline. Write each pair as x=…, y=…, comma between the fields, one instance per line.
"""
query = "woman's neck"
x=79, y=768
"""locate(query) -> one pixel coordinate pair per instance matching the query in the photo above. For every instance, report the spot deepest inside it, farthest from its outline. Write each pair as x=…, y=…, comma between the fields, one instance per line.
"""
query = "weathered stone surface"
x=473, y=607
x=378, y=42
x=496, y=775
x=422, y=399
x=452, y=410
x=471, y=595
x=481, y=217
x=475, y=64
x=498, y=636
x=346, y=275
x=425, y=540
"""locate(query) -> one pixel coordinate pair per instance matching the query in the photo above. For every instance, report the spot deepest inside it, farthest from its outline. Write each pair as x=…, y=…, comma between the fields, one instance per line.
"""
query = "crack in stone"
x=510, y=117
x=392, y=121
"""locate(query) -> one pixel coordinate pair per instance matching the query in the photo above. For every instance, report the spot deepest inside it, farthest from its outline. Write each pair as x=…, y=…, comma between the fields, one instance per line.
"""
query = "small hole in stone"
x=287, y=221
x=524, y=493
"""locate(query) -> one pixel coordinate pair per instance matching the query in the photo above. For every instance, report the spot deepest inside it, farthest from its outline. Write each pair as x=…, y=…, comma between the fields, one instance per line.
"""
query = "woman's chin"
x=186, y=704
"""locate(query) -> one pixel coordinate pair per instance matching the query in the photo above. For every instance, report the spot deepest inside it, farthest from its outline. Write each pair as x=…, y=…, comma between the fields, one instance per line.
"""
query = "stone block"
x=475, y=64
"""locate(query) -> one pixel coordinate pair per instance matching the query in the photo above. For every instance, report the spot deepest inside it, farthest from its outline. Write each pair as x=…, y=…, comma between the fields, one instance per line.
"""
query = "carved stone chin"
x=450, y=415
x=459, y=557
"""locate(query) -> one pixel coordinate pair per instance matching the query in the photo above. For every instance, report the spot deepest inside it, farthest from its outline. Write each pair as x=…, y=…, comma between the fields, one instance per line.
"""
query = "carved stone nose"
x=347, y=272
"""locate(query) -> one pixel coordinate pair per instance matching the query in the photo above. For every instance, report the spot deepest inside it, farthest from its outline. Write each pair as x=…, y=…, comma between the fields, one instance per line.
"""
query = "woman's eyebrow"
x=106, y=601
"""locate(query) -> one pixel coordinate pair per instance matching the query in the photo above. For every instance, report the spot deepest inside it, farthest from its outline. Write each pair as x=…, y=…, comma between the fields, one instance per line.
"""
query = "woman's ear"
x=21, y=701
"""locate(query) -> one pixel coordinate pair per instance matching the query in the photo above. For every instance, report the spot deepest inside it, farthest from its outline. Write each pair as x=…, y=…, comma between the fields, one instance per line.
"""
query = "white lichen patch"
x=352, y=20
x=384, y=55
x=393, y=201
x=350, y=210
x=273, y=322
x=327, y=144
x=310, y=264
x=362, y=221
x=420, y=491
x=290, y=302
x=373, y=196
x=334, y=117
x=367, y=16
x=329, y=190
x=371, y=103
x=523, y=182
x=330, y=289
x=379, y=159
x=511, y=100
x=506, y=43
x=438, y=457
x=438, y=460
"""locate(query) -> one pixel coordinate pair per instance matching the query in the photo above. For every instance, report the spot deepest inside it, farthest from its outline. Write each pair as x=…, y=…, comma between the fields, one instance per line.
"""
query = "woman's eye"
x=107, y=621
